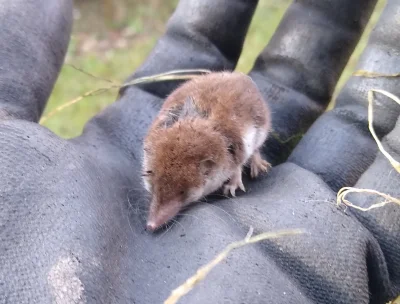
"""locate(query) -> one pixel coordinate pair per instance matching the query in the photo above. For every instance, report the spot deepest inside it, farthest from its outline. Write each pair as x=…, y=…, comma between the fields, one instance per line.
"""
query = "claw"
x=258, y=164
x=234, y=183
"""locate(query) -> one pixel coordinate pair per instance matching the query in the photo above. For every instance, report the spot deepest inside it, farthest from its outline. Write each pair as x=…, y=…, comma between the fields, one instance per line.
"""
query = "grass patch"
x=113, y=39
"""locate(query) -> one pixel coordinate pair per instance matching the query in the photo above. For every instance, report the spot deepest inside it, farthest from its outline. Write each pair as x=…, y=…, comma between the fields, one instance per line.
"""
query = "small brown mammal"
x=207, y=130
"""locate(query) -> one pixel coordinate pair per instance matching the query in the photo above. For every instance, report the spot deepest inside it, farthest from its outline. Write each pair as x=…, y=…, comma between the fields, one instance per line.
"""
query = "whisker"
x=187, y=214
x=177, y=222
x=135, y=208
x=169, y=227
x=222, y=209
x=141, y=190
x=216, y=216
x=227, y=197
x=128, y=219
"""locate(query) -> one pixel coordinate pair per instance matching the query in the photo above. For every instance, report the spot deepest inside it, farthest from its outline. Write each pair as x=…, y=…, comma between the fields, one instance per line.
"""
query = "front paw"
x=232, y=185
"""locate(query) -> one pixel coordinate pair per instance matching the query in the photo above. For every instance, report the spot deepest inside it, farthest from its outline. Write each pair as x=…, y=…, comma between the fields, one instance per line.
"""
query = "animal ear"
x=171, y=116
x=189, y=108
x=206, y=166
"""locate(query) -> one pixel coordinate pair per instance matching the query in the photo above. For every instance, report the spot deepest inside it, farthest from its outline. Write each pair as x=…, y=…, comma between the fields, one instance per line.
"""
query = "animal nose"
x=151, y=226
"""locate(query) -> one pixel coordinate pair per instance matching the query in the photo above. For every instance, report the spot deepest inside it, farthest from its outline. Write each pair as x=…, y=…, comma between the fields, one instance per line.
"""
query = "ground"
x=112, y=38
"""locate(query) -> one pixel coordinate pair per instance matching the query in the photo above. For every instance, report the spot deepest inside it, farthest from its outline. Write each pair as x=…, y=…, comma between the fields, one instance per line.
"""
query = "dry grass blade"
x=395, y=301
x=249, y=234
x=69, y=103
x=182, y=71
x=341, y=195
x=167, y=76
x=203, y=271
x=341, y=198
x=289, y=139
x=150, y=79
x=89, y=74
x=368, y=74
x=394, y=162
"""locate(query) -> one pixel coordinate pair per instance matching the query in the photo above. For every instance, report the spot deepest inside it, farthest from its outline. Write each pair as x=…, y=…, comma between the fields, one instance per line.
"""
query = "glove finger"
x=206, y=34
x=339, y=147
x=298, y=70
x=384, y=223
x=200, y=34
x=35, y=37
x=208, y=43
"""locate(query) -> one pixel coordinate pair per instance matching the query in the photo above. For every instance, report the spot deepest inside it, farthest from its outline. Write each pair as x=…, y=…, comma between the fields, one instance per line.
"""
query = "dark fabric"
x=34, y=39
x=72, y=212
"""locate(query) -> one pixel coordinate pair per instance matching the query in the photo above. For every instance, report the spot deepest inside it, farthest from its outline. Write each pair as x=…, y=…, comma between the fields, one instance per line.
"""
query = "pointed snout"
x=162, y=214
x=151, y=226
x=155, y=222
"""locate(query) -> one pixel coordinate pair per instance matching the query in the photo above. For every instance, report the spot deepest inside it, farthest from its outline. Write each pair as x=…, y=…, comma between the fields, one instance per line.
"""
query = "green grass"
x=117, y=64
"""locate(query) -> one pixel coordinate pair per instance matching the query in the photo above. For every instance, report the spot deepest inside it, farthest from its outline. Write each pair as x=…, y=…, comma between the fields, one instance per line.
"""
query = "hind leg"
x=258, y=164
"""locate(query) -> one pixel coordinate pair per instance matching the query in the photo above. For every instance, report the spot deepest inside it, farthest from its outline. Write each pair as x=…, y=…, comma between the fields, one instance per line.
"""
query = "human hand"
x=73, y=212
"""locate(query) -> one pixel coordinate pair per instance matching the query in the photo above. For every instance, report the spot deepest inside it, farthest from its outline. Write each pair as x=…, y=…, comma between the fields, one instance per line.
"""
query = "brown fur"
x=200, y=128
x=231, y=99
x=187, y=148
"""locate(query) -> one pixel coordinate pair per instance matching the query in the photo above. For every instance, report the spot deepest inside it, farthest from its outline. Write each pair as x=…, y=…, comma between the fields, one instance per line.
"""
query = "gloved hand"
x=72, y=212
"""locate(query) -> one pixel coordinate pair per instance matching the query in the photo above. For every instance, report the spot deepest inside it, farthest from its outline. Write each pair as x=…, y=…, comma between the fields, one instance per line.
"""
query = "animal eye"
x=147, y=173
x=182, y=192
x=231, y=149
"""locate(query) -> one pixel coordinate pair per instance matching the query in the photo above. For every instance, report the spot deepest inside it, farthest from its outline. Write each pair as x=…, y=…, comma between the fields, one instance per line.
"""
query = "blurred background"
x=111, y=38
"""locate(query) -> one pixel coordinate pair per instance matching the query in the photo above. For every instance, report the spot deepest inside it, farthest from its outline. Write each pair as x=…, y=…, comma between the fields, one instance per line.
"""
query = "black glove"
x=73, y=212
